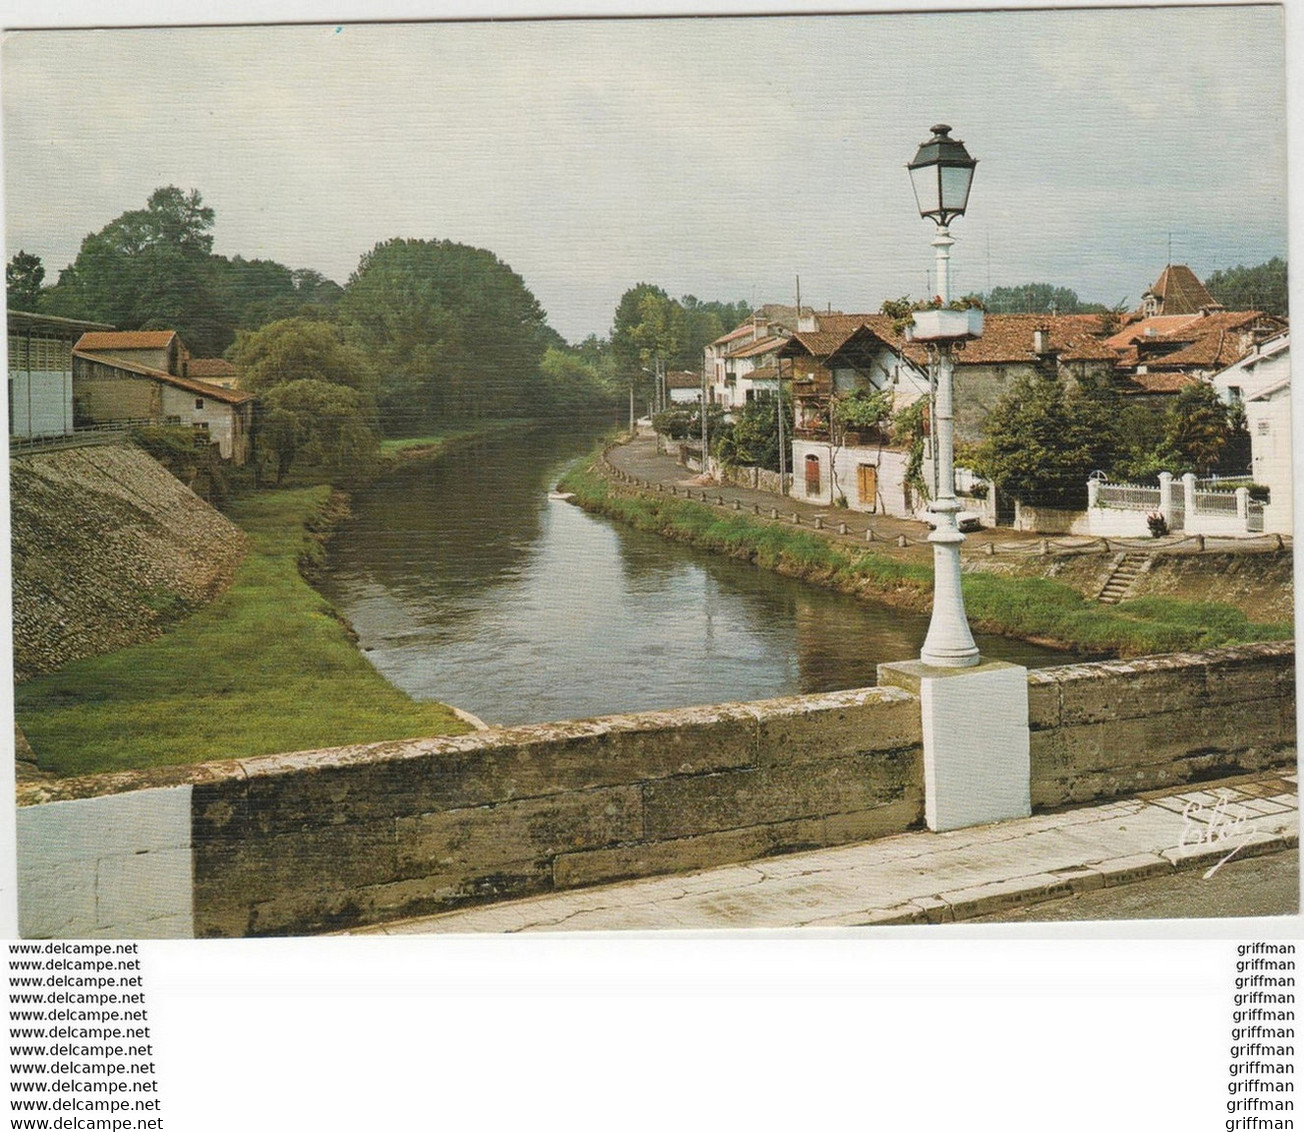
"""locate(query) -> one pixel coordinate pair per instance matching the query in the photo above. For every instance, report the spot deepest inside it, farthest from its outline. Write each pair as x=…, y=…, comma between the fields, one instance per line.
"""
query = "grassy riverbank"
x=1036, y=609
x=267, y=667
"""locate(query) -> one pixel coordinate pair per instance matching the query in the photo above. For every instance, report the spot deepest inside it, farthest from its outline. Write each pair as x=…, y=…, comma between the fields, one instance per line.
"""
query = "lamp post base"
x=949, y=643
x=977, y=766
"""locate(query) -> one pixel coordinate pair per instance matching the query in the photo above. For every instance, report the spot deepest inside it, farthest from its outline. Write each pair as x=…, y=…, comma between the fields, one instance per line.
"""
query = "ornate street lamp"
x=941, y=174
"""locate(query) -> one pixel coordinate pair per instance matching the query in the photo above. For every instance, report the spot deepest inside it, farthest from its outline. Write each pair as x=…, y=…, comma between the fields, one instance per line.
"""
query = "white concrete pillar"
x=1243, y=506
x=977, y=766
x=1188, y=497
x=1166, y=497
x=1093, y=494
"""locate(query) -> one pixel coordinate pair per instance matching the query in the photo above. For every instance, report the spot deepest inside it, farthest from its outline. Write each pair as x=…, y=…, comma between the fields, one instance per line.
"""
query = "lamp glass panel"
x=955, y=187
x=924, y=181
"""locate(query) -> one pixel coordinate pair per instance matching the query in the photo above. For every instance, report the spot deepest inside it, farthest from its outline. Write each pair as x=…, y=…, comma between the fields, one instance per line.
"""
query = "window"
x=199, y=402
x=1234, y=395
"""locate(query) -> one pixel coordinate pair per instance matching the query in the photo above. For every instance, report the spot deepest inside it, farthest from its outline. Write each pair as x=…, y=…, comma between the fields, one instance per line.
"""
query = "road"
x=1259, y=886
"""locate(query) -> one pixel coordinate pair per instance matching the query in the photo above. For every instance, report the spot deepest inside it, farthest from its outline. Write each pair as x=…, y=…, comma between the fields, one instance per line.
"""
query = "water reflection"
x=468, y=584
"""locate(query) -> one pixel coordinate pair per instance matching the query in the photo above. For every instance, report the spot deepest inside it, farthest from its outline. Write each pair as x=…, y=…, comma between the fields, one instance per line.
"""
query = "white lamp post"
x=941, y=174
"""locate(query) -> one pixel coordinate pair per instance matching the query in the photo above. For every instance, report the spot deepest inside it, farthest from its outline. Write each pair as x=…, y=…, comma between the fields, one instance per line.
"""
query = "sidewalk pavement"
x=926, y=877
x=639, y=457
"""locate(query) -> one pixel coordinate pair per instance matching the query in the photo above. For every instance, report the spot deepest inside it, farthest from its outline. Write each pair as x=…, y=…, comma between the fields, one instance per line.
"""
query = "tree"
x=1196, y=430
x=1034, y=298
x=1044, y=440
x=454, y=333
x=570, y=383
x=149, y=269
x=702, y=322
x=23, y=277
x=753, y=438
x=317, y=422
x=646, y=329
x=1259, y=288
x=298, y=349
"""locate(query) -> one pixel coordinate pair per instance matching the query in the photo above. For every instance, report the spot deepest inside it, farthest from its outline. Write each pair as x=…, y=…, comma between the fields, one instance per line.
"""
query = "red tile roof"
x=763, y=346
x=1158, y=383
x=1180, y=292
x=126, y=340
x=676, y=379
x=1009, y=338
x=210, y=367
x=203, y=388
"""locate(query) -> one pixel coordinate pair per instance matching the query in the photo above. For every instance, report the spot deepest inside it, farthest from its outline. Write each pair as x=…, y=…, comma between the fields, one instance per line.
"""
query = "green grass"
x=267, y=667
x=1031, y=608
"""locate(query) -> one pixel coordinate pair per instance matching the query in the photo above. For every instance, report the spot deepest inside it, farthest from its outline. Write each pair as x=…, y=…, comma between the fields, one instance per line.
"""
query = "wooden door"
x=867, y=484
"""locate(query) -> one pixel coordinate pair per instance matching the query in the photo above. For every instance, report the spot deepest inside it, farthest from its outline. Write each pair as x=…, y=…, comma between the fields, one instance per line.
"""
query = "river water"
x=468, y=584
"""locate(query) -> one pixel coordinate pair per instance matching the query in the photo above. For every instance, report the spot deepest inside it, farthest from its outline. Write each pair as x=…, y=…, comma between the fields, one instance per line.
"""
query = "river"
x=468, y=584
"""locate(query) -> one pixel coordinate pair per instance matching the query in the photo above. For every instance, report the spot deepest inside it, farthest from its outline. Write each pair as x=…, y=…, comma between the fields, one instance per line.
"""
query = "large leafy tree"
x=317, y=422
x=298, y=349
x=1259, y=288
x=24, y=275
x=1197, y=430
x=453, y=331
x=316, y=395
x=1044, y=440
x=646, y=329
x=149, y=269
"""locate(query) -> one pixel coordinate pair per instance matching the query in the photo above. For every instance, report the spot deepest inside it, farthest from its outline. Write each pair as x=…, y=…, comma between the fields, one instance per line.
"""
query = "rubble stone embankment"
x=108, y=549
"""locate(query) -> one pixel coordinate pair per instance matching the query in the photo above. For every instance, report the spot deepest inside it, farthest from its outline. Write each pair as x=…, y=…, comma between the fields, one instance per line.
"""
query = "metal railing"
x=1215, y=503
x=110, y=433
x=1128, y=497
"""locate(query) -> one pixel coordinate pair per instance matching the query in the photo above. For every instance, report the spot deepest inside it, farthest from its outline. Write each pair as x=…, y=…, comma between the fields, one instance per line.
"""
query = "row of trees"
x=424, y=332
x=154, y=268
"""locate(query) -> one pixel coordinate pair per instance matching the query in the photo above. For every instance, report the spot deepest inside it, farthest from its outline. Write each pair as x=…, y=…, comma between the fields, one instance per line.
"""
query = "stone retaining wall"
x=310, y=841
x=108, y=549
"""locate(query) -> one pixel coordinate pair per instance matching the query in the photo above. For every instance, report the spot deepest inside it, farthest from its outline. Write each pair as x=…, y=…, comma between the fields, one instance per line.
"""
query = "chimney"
x=1041, y=341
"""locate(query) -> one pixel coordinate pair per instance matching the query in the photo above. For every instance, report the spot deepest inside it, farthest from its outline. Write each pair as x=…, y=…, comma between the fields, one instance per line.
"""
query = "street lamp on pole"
x=941, y=174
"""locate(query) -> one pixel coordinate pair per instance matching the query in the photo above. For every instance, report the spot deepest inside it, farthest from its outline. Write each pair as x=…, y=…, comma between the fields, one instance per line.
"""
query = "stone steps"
x=1126, y=570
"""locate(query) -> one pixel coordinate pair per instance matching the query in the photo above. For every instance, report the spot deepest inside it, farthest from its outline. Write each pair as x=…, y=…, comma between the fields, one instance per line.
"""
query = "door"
x=812, y=475
x=867, y=485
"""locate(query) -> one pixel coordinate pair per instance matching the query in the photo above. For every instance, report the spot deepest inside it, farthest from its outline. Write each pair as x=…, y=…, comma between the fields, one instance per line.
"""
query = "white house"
x=1266, y=364
x=1267, y=416
x=684, y=387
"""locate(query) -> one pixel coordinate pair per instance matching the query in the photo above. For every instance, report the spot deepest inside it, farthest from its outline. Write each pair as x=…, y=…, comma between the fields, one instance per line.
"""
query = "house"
x=684, y=386
x=1266, y=364
x=160, y=350
x=1158, y=357
x=871, y=352
x=40, y=373
x=1267, y=417
x=743, y=364
x=118, y=377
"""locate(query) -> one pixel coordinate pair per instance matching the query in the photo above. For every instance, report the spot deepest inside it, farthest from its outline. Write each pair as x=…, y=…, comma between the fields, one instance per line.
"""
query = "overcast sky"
x=717, y=157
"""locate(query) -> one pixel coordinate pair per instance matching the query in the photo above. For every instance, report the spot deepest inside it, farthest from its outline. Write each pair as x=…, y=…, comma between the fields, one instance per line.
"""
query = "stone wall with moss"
x=108, y=549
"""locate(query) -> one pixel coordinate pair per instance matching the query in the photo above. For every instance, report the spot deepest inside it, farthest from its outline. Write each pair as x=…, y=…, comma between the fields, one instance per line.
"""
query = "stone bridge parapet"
x=311, y=841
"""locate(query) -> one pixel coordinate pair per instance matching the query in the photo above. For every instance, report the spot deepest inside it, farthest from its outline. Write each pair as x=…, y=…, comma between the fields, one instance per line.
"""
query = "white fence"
x=1187, y=505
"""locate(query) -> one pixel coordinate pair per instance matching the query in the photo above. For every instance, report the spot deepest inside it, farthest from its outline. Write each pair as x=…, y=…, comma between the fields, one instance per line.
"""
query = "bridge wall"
x=311, y=841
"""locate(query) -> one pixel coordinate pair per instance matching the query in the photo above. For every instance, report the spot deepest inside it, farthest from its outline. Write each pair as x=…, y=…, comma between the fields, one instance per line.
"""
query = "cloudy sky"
x=717, y=157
